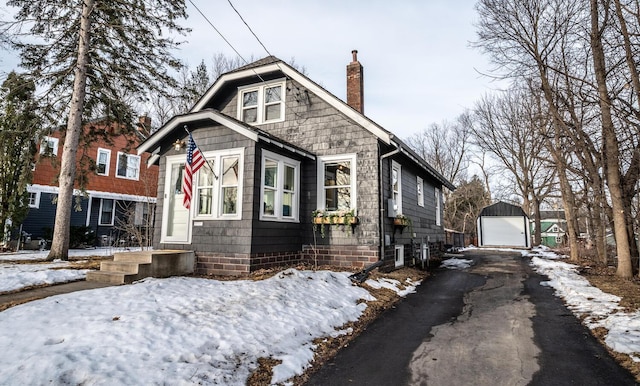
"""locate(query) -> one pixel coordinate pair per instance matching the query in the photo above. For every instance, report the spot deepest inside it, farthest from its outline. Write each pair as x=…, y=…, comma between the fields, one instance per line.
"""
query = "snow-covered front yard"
x=184, y=330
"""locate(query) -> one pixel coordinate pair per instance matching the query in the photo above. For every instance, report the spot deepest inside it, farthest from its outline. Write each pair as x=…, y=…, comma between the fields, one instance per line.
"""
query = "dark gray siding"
x=221, y=236
x=423, y=219
x=277, y=236
x=315, y=126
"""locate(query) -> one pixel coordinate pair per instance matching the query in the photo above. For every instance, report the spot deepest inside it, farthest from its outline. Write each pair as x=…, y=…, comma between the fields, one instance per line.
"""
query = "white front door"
x=176, y=224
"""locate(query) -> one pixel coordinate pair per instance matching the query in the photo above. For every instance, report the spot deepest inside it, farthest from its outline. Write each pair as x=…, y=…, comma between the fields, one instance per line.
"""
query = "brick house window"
x=280, y=186
x=49, y=146
x=107, y=212
x=34, y=200
x=262, y=104
x=128, y=166
x=102, y=161
x=337, y=182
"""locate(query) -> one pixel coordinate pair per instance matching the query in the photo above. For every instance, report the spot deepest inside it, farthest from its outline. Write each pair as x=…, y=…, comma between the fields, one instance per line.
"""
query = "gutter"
x=380, y=186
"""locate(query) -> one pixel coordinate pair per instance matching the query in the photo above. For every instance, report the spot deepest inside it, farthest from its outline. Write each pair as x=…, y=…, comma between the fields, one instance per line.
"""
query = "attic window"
x=262, y=104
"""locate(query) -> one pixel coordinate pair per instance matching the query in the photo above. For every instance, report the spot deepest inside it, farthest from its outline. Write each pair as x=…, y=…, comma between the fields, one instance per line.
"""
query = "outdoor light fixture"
x=178, y=144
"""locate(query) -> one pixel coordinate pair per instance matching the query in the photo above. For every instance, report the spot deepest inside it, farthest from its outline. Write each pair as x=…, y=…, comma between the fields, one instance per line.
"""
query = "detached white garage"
x=503, y=225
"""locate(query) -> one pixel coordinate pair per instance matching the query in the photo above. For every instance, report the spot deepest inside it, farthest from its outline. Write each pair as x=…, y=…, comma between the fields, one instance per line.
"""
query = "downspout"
x=380, y=186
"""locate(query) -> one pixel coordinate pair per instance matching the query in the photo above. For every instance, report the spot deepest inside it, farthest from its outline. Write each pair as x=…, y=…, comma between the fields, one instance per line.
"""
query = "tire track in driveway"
x=491, y=342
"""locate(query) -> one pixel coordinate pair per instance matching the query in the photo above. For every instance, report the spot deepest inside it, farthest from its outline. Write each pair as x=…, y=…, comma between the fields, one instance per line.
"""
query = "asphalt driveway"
x=491, y=324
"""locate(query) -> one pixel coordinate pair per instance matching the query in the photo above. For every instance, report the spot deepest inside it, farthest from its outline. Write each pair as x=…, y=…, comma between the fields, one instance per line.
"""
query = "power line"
x=250, y=30
x=219, y=33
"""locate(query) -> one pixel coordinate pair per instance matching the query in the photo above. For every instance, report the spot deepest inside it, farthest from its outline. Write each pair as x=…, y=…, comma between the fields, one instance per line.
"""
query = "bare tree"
x=509, y=128
x=445, y=146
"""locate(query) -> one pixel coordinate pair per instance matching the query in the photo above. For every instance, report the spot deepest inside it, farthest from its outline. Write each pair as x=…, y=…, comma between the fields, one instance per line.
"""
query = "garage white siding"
x=504, y=231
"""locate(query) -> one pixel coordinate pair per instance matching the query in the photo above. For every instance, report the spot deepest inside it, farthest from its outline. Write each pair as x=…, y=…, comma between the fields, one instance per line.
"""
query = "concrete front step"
x=139, y=257
x=106, y=277
x=128, y=267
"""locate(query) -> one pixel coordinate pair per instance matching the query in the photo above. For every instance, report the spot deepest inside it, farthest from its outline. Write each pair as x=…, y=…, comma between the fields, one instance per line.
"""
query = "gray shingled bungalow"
x=283, y=151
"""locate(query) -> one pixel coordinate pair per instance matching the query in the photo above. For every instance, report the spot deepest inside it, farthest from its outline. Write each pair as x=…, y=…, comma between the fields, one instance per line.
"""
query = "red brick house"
x=118, y=185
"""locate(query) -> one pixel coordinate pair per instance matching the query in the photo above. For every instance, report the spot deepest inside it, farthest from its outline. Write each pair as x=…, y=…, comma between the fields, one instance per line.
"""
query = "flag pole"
x=206, y=162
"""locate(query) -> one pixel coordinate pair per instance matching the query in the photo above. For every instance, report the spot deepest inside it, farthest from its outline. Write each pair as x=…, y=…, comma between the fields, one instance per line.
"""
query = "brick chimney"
x=144, y=124
x=355, y=84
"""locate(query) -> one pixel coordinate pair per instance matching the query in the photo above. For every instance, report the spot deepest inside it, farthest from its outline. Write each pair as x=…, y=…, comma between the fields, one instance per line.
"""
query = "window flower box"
x=401, y=221
x=321, y=218
x=336, y=220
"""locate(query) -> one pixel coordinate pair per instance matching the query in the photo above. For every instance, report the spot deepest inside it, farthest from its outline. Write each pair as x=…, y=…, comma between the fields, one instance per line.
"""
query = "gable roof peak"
x=258, y=63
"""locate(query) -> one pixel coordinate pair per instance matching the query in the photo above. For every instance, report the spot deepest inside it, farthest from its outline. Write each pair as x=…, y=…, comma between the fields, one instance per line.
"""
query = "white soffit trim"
x=331, y=99
x=92, y=193
x=199, y=115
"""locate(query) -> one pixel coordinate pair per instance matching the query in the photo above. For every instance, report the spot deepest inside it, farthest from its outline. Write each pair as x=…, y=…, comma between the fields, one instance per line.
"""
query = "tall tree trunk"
x=611, y=149
x=569, y=203
x=537, y=234
x=600, y=230
x=60, y=243
x=633, y=172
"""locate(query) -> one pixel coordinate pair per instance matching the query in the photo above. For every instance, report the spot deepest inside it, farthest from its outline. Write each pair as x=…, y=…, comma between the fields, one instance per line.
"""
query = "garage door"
x=504, y=231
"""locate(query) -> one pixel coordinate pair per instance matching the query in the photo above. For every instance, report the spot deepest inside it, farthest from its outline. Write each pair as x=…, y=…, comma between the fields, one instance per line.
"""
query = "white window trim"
x=438, y=206
x=106, y=168
x=36, y=203
x=46, y=140
x=137, y=177
x=217, y=204
x=261, y=103
x=395, y=165
x=420, y=190
x=281, y=161
x=320, y=182
x=113, y=213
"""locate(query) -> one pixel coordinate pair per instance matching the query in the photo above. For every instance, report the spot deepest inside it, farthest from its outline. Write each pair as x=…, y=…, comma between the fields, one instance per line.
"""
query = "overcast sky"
x=418, y=66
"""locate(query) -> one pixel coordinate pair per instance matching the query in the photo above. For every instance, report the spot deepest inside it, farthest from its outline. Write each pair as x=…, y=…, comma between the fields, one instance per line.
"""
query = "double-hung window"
x=219, y=185
x=280, y=187
x=128, y=166
x=49, y=146
x=337, y=182
x=438, y=205
x=107, y=211
x=420, y=191
x=396, y=186
x=102, y=161
x=230, y=184
x=34, y=199
x=262, y=104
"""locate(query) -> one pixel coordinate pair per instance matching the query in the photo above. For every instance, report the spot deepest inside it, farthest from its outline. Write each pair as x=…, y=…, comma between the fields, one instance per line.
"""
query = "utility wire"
x=219, y=33
x=250, y=30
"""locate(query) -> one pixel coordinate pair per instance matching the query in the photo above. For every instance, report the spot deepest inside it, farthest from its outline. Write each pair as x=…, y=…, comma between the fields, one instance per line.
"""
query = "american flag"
x=195, y=160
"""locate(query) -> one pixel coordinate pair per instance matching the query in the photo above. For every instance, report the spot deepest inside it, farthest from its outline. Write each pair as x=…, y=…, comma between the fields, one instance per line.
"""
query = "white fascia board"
x=291, y=73
x=92, y=193
x=185, y=119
